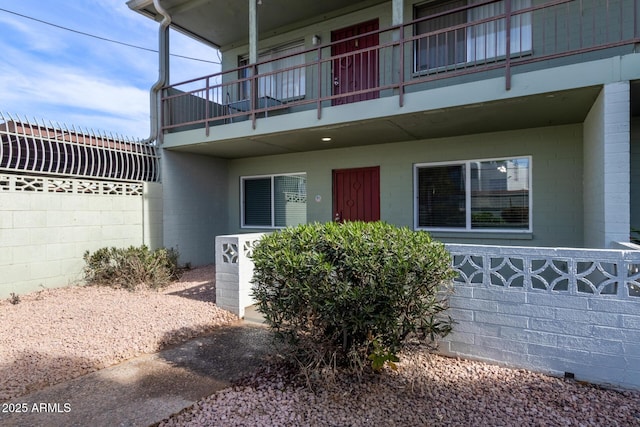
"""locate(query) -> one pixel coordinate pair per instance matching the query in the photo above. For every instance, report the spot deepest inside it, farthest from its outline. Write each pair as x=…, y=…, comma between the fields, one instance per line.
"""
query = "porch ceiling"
x=549, y=109
x=226, y=22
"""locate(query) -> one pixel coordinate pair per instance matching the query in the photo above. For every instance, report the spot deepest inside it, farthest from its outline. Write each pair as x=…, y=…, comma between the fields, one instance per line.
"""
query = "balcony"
x=470, y=42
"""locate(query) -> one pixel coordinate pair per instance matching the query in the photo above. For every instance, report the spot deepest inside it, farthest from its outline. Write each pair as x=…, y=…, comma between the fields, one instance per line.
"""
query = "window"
x=280, y=85
x=453, y=38
x=441, y=48
x=274, y=201
x=474, y=195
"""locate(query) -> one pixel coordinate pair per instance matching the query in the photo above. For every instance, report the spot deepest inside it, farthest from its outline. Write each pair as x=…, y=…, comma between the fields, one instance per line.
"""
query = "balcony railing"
x=494, y=36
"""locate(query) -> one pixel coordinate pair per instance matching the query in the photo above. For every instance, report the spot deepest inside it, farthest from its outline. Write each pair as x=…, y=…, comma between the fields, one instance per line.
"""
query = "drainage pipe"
x=163, y=73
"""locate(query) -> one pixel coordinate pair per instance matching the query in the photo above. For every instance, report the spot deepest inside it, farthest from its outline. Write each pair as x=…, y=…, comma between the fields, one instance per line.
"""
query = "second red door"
x=357, y=71
x=356, y=194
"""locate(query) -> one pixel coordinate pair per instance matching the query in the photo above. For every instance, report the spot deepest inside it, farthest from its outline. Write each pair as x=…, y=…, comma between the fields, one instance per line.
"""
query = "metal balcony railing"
x=484, y=37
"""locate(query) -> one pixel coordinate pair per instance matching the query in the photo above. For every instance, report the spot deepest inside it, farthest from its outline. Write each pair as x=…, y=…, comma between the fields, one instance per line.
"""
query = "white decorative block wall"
x=552, y=310
x=234, y=271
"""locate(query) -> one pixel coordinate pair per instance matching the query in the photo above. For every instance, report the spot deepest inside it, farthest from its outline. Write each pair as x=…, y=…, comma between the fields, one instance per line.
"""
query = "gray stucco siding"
x=556, y=179
x=194, y=197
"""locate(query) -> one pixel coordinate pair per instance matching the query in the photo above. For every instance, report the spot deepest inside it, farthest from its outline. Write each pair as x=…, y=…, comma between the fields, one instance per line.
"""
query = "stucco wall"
x=556, y=164
x=47, y=224
x=194, y=203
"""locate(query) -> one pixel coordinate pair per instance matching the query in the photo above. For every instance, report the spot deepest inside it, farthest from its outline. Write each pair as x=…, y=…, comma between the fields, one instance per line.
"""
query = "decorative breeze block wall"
x=559, y=311
x=234, y=271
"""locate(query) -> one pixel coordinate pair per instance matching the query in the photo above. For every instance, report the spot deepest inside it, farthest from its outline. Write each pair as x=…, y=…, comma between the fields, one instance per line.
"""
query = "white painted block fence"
x=234, y=270
x=554, y=310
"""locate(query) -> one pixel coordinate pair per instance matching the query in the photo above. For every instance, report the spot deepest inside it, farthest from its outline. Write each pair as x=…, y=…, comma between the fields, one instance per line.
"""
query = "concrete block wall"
x=572, y=311
x=234, y=271
x=594, y=335
x=606, y=157
x=635, y=172
x=45, y=230
x=596, y=338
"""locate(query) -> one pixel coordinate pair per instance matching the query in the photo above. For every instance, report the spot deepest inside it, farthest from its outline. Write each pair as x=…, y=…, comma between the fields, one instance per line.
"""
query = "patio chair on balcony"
x=244, y=106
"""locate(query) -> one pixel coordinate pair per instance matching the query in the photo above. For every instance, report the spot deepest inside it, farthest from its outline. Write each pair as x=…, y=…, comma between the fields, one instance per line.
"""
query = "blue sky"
x=49, y=74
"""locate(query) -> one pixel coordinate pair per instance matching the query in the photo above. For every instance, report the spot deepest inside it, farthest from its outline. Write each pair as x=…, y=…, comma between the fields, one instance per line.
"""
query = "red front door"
x=356, y=194
x=357, y=68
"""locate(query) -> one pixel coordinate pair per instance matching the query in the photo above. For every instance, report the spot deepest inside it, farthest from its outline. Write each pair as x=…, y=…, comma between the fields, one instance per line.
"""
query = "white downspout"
x=163, y=72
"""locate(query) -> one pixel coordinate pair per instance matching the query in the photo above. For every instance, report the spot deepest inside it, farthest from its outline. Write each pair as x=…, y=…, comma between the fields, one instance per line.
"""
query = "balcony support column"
x=507, y=7
x=397, y=19
x=397, y=12
x=253, y=31
x=253, y=56
x=607, y=168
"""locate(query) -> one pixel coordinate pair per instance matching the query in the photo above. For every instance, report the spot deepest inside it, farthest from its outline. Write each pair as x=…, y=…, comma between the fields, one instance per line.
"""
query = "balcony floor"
x=302, y=131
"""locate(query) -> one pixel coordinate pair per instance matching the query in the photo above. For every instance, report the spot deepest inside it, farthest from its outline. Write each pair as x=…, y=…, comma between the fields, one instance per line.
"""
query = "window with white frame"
x=273, y=201
x=285, y=74
x=457, y=34
x=478, y=195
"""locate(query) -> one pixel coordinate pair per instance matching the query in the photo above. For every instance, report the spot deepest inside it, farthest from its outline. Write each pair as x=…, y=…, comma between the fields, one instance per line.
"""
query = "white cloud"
x=60, y=75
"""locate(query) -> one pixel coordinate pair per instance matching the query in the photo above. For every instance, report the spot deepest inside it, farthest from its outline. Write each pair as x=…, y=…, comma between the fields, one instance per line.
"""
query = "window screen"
x=500, y=194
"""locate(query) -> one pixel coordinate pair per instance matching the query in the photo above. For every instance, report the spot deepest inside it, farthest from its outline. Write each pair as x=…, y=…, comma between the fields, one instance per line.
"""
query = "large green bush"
x=351, y=294
x=131, y=267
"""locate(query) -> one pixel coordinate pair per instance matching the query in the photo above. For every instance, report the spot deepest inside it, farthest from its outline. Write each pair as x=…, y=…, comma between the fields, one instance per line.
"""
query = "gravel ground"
x=55, y=335
x=426, y=390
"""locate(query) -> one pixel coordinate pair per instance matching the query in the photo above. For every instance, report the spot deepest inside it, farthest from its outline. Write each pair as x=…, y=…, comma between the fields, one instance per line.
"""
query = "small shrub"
x=131, y=267
x=351, y=294
x=635, y=236
x=14, y=298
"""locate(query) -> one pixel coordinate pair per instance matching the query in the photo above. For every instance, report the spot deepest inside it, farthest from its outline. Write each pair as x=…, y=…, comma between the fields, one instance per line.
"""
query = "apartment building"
x=510, y=122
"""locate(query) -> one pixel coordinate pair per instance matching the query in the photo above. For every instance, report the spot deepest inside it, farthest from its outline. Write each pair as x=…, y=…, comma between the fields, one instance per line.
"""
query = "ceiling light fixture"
x=326, y=139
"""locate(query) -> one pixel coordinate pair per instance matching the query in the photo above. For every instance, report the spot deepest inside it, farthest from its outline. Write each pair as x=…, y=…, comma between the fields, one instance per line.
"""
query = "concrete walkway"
x=147, y=389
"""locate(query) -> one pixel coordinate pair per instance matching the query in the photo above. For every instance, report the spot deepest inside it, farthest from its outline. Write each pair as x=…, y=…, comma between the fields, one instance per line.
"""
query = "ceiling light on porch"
x=326, y=139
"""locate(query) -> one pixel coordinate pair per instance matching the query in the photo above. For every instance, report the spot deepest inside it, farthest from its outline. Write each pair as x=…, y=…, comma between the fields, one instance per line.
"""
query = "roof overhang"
x=222, y=23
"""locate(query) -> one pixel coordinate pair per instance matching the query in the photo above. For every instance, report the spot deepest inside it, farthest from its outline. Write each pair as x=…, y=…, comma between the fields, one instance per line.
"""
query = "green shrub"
x=351, y=294
x=131, y=267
